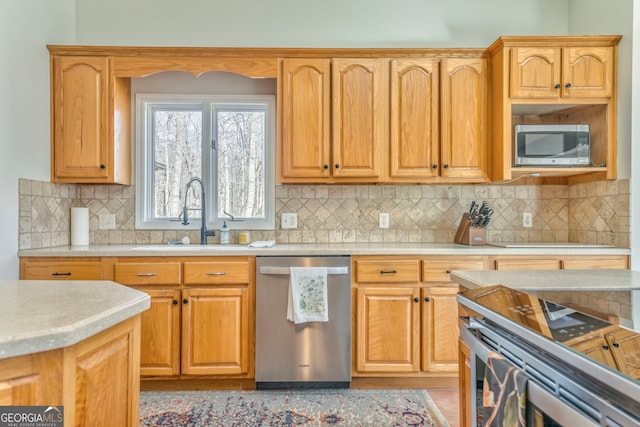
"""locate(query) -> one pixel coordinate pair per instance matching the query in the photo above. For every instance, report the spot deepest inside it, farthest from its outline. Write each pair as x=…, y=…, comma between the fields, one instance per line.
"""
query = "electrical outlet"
x=383, y=220
x=289, y=220
x=527, y=219
x=106, y=222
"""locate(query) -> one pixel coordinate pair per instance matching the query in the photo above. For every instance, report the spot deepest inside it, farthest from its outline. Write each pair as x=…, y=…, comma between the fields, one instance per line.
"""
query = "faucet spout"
x=204, y=233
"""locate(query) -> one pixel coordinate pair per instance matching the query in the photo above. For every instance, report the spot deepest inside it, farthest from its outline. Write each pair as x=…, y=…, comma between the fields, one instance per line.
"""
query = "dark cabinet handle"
x=605, y=347
x=61, y=274
x=175, y=302
x=185, y=301
x=102, y=166
x=325, y=166
x=446, y=166
x=568, y=85
x=416, y=299
x=388, y=271
x=435, y=166
x=557, y=86
x=337, y=165
x=428, y=299
x=616, y=345
x=448, y=271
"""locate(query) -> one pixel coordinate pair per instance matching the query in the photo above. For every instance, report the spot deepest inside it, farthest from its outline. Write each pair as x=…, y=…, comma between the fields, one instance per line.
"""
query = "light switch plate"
x=106, y=222
x=383, y=220
x=289, y=220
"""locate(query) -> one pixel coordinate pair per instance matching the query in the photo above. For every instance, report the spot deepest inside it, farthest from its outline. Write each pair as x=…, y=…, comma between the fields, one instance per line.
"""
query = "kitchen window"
x=228, y=141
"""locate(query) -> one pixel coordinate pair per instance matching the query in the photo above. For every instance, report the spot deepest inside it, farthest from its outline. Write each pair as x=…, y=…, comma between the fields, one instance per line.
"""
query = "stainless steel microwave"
x=552, y=145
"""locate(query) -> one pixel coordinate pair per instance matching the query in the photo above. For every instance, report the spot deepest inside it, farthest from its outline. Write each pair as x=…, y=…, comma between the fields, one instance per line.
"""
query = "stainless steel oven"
x=565, y=387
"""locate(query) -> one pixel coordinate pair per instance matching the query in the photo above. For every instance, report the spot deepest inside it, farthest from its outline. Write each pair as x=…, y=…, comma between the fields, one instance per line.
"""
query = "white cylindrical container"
x=224, y=234
x=79, y=226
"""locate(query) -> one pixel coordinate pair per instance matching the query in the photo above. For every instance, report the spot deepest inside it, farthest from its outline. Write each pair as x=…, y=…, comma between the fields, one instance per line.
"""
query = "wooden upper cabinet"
x=305, y=121
x=90, y=117
x=464, y=118
x=568, y=72
x=414, y=130
x=359, y=117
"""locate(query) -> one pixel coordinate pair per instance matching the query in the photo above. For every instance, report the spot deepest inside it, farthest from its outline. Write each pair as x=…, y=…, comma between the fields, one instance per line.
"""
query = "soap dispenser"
x=224, y=234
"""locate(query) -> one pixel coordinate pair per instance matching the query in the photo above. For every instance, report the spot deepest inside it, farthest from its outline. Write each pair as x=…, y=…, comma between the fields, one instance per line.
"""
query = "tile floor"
x=447, y=402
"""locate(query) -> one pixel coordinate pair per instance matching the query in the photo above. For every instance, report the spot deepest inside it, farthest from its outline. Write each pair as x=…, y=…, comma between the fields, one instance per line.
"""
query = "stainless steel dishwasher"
x=305, y=355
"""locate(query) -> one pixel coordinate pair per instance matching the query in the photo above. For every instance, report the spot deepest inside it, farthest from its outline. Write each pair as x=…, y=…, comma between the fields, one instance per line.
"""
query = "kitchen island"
x=72, y=345
x=606, y=285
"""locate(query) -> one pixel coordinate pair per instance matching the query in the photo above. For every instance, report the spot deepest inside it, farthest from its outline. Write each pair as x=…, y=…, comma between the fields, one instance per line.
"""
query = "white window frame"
x=144, y=167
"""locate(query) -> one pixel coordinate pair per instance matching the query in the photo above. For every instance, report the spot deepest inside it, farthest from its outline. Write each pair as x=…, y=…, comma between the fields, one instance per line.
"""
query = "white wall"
x=327, y=23
x=611, y=17
x=26, y=27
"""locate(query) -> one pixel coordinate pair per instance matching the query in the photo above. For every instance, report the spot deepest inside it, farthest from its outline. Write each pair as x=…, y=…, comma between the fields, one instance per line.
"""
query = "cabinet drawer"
x=387, y=271
x=528, y=264
x=437, y=269
x=147, y=273
x=588, y=262
x=63, y=271
x=228, y=272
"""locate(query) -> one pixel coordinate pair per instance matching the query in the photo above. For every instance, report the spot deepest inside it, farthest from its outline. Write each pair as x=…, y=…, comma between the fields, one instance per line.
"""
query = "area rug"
x=330, y=407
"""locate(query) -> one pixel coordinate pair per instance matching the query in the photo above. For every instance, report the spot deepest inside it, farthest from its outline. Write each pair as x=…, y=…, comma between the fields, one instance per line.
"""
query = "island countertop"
x=42, y=315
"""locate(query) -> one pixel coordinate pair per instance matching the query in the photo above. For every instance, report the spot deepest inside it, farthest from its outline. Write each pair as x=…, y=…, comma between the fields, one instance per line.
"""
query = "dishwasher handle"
x=264, y=269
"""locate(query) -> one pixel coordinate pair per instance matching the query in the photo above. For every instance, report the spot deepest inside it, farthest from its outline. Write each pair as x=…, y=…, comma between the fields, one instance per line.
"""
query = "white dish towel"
x=308, y=295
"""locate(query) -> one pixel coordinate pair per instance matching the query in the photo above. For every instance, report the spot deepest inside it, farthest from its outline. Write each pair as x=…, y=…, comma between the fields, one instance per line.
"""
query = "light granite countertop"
x=551, y=280
x=39, y=315
x=317, y=249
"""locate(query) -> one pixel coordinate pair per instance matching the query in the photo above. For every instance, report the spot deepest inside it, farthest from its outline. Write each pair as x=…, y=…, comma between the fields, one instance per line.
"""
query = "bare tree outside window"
x=241, y=157
x=177, y=156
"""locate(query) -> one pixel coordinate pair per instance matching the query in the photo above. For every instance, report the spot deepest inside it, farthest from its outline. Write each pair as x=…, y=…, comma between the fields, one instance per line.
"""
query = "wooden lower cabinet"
x=545, y=262
x=61, y=269
x=405, y=329
x=160, y=333
x=200, y=320
x=96, y=380
x=215, y=330
x=464, y=384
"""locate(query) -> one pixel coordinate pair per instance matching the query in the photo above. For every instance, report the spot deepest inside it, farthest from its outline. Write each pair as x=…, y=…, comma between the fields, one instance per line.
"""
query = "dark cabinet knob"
x=175, y=302
x=325, y=166
x=185, y=301
x=435, y=166
x=446, y=166
x=337, y=165
x=557, y=86
x=616, y=345
x=416, y=299
x=428, y=299
x=102, y=166
x=568, y=85
x=605, y=347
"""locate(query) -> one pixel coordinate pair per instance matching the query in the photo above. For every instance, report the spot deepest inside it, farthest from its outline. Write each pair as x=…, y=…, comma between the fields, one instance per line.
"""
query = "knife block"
x=468, y=235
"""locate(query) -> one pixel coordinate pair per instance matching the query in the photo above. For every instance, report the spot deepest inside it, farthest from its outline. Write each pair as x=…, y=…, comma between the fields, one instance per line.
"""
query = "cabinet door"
x=588, y=72
x=625, y=346
x=535, y=72
x=107, y=378
x=32, y=379
x=464, y=384
x=414, y=137
x=387, y=330
x=80, y=114
x=305, y=119
x=160, y=333
x=597, y=348
x=464, y=105
x=359, y=117
x=440, y=330
x=215, y=331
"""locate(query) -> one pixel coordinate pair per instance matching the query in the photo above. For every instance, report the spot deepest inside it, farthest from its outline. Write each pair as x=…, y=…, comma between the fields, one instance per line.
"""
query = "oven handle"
x=537, y=395
x=265, y=269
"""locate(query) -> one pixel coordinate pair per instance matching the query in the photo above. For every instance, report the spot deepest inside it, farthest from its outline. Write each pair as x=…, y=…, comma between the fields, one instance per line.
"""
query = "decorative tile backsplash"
x=595, y=212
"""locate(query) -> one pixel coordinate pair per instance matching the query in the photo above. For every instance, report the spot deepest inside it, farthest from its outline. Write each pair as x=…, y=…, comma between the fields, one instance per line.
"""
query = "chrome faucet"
x=204, y=233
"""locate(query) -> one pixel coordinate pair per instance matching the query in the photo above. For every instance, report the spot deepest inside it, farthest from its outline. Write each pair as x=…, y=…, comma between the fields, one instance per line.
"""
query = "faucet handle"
x=185, y=215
